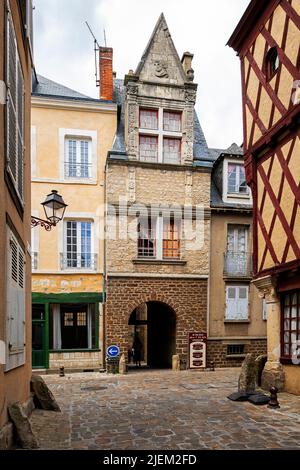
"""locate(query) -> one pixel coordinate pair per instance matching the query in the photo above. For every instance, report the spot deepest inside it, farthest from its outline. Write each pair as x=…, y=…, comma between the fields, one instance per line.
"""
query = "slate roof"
x=45, y=87
x=201, y=150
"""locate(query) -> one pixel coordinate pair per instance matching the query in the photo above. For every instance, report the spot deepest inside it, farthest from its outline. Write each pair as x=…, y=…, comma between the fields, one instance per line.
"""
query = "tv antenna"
x=96, y=50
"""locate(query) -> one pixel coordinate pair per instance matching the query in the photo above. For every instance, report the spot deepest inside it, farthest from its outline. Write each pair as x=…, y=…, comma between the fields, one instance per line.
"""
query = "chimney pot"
x=106, y=73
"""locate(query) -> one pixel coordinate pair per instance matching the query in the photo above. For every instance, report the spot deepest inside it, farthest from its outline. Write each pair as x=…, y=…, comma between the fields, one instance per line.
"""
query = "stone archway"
x=152, y=325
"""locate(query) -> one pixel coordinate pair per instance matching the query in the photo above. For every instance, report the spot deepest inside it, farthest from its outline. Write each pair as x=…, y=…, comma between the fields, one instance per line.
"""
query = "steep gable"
x=160, y=62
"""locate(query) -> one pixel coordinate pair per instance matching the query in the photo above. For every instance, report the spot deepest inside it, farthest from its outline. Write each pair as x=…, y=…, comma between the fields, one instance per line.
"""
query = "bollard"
x=62, y=371
x=273, y=403
x=212, y=366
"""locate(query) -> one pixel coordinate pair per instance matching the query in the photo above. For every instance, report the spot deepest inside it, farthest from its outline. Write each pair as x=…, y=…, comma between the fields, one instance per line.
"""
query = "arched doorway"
x=154, y=323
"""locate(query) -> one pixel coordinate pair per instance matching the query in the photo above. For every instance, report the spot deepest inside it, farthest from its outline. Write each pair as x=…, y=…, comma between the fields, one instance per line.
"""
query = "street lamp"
x=54, y=207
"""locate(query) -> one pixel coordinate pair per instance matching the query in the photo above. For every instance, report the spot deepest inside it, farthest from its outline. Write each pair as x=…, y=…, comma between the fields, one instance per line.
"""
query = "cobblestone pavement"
x=162, y=410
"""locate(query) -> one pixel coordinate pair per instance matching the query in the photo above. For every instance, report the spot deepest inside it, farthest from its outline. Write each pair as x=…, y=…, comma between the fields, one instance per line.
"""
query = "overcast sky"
x=64, y=49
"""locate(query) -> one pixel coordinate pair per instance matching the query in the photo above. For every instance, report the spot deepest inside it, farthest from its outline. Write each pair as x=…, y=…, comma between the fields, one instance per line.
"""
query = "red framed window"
x=147, y=238
x=171, y=239
x=148, y=148
x=148, y=119
x=291, y=327
x=172, y=121
x=171, y=150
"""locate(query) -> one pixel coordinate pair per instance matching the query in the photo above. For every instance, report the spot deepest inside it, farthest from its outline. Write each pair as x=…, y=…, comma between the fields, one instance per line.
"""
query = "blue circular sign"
x=113, y=351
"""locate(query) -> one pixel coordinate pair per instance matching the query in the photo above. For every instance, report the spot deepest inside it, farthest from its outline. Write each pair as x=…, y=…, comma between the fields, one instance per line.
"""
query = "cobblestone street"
x=162, y=410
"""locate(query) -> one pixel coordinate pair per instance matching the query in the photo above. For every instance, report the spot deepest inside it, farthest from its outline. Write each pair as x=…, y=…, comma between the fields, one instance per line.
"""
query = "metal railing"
x=78, y=170
x=237, y=264
x=78, y=261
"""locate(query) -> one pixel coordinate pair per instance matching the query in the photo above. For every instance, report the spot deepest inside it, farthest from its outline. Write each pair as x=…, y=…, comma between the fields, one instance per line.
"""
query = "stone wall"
x=217, y=351
x=75, y=360
x=187, y=298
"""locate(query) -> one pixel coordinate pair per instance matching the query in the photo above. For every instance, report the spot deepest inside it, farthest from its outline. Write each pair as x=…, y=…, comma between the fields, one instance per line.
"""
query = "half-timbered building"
x=267, y=40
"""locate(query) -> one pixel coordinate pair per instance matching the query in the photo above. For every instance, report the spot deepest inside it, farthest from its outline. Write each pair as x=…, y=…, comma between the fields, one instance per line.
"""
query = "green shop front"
x=66, y=331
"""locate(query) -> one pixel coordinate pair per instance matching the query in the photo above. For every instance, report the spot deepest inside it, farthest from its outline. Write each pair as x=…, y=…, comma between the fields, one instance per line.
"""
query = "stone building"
x=16, y=62
x=267, y=40
x=237, y=323
x=71, y=135
x=158, y=195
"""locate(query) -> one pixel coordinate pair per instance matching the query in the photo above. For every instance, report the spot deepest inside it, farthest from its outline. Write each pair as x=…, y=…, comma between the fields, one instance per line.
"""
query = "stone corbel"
x=267, y=288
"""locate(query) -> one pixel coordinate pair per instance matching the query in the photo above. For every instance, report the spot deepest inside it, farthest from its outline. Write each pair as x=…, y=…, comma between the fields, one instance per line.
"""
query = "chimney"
x=106, y=73
x=187, y=65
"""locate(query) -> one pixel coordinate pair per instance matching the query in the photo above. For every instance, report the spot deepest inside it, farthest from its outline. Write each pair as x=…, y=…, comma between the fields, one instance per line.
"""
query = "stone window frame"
x=160, y=133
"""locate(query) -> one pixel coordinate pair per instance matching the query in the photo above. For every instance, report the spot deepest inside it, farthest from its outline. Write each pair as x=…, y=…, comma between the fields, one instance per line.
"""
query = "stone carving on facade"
x=132, y=89
x=267, y=289
x=190, y=96
x=132, y=129
x=190, y=75
x=188, y=187
x=161, y=69
x=131, y=184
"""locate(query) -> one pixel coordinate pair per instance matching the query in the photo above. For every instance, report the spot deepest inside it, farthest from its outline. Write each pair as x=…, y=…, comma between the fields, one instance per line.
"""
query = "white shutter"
x=237, y=302
x=15, y=303
x=231, y=302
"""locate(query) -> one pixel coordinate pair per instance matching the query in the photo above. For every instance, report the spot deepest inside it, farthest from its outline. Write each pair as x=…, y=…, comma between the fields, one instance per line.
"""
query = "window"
x=148, y=148
x=160, y=136
x=78, y=158
x=171, y=239
x=148, y=119
x=78, y=246
x=14, y=113
x=291, y=326
x=172, y=121
x=159, y=238
x=264, y=310
x=235, y=349
x=72, y=326
x=171, y=150
x=15, y=306
x=236, y=257
x=272, y=63
x=146, y=238
x=237, y=179
x=237, y=303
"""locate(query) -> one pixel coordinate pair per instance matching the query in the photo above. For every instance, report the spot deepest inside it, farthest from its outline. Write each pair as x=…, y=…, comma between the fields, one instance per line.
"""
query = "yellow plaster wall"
x=87, y=199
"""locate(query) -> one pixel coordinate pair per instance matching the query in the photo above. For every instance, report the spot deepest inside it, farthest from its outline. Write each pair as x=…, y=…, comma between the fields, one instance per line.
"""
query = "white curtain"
x=56, y=327
x=89, y=326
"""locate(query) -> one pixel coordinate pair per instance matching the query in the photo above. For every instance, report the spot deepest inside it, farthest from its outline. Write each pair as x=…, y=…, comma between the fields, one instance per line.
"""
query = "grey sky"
x=64, y=49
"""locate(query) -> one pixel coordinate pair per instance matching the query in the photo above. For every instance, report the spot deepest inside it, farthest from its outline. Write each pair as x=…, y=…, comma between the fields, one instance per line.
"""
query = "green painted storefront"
x=41, y=322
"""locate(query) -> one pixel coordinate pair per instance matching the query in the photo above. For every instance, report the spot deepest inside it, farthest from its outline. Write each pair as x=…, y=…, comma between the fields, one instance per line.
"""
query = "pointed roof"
x=161, y=24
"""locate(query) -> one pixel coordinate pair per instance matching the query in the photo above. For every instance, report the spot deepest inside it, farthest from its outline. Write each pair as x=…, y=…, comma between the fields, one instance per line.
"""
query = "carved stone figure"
x=160, y=69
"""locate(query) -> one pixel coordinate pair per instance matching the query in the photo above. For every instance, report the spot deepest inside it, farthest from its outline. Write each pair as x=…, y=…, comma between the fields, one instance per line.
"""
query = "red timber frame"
x=274, y=135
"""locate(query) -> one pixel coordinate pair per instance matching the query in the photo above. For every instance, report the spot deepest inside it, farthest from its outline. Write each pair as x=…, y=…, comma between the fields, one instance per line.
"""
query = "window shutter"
x=29, y=24
x=242, y=303
x=15, y=300
x=14, y=112
x=231, y=304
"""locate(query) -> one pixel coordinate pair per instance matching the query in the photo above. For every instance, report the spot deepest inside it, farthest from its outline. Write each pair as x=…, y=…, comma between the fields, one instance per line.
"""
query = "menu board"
x=197, y=343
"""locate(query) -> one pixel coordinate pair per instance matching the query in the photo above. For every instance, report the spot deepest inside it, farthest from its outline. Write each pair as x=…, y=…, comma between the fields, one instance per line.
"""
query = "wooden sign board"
x=197, y=345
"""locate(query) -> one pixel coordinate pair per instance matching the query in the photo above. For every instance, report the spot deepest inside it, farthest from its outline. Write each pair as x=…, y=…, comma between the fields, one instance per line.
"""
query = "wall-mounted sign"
x=113, y=351
x=197, y=344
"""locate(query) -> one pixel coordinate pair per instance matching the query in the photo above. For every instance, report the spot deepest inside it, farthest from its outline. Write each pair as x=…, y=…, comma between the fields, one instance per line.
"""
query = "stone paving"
x=162, y=410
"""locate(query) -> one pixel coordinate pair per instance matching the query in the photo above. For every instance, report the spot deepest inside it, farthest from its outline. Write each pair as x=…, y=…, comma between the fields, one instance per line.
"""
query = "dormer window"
x=237, y=180
x=148, y=119
x=160, y=135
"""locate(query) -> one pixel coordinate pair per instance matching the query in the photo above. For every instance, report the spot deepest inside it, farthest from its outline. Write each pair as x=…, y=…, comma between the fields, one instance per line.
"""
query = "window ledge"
x=235, y=356
x=238, y=196
x=287, y=361
x=232, y=277
x=236, y=321
x=173, y=262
